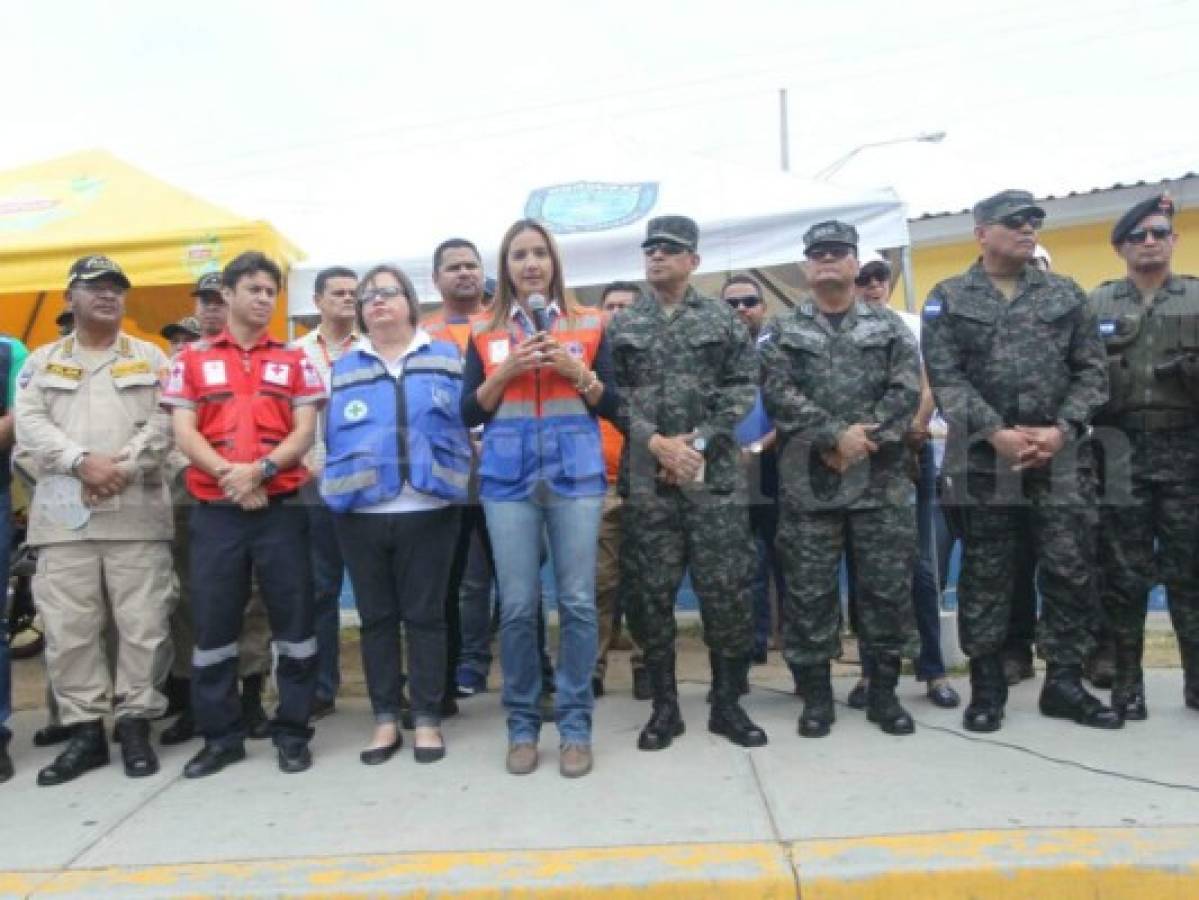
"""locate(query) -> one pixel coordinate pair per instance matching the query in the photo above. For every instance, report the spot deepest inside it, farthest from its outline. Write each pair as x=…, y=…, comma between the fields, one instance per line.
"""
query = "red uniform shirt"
x=243, y=401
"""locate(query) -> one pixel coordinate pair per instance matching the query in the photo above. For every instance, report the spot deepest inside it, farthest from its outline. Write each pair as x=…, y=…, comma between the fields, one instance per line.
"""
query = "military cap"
x=672, y=230
x=830, y=232
x=1158, y=204
x=187, y=328
x=209, y=283
x=994, y=208
x=89, y=268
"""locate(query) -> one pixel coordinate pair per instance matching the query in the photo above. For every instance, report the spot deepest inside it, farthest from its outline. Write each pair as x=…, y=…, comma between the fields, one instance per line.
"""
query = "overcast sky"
x=255, y=105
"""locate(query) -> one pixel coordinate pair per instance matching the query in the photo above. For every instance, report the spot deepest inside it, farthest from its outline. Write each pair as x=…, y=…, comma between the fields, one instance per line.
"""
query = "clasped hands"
x=242, y=483
x=103, y=476
x=1028, y=447
x=678, y=461
x=541, y=350
x=853, y=445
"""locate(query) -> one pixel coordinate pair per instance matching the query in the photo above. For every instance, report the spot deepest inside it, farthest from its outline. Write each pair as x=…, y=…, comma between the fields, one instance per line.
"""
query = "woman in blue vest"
x=398, y=463
x=537, y=373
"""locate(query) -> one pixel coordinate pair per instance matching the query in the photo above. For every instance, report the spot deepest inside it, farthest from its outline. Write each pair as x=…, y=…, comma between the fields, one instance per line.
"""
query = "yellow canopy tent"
x=54, y=212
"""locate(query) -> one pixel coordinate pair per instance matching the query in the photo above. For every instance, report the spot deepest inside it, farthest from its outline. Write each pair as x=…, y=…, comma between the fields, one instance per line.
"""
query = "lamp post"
x=925, y=137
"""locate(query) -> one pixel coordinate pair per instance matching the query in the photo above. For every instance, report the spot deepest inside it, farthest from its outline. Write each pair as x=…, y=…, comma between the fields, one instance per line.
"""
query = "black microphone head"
x=537, y=310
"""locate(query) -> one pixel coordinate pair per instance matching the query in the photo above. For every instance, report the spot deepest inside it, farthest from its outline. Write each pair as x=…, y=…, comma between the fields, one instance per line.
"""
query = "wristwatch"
x=269, y=468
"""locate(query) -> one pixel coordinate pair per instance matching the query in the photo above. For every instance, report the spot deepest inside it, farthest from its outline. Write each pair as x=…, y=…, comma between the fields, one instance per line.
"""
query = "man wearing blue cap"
x=1150, y=518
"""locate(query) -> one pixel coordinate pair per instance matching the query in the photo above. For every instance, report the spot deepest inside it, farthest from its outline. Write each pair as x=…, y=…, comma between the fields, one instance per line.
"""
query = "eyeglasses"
x=667, y=248
x=867, y=280
x=1016, y=221
x=99, y=286
x=387, y=293
x=828, y=251
x=743, y=302
x=1140, y=235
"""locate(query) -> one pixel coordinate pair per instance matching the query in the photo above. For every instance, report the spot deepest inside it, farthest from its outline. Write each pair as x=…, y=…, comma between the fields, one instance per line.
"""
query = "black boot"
x=182, y=730
x=253, y=716
x=642, y=690
x=883, y=707
x=1064, y=697
x=1128, y=683
x=713, y=664
x=666, y=722
x=87, y=750
x=818, y=714
x=988, y=694
x=136, y=751
x=6, y=767
x=1190, y=670
x=727, y=717
x=1099, y=667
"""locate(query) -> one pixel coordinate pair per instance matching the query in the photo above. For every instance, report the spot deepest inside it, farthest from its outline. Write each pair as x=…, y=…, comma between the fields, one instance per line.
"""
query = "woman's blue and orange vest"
x=382, y=433
x=542, y=429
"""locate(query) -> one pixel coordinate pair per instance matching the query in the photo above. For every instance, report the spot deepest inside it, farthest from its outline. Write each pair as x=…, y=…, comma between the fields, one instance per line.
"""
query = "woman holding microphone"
x=398, y=462
x=537, y=373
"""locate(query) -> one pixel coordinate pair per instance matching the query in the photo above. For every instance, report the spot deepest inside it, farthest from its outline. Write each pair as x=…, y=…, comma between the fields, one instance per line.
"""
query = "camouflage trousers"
x=1057, y=521
x=810, y=546
x=1149, y=533
x=668, y=531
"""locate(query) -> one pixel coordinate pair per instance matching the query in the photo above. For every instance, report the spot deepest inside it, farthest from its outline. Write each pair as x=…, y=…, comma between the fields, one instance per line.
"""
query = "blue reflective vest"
x=382, y=432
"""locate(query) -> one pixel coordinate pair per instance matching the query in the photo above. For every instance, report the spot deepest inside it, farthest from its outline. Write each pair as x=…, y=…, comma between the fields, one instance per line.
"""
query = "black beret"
x=1158, y=204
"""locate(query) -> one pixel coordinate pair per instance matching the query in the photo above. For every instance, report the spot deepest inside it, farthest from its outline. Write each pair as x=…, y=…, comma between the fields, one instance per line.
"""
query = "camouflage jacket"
x=993, y=363
x=692, y=368
x=819, y=381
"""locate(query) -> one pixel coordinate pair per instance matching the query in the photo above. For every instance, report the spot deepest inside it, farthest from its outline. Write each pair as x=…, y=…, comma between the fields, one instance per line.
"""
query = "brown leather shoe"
x=522, y=759
x=574, y=760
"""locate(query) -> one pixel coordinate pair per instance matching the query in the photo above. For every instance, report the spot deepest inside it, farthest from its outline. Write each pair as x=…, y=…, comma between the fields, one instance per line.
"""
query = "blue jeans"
x=474, y=606
x=926, y=598
x=516, y=528
x=5, y=550
x=328, y=572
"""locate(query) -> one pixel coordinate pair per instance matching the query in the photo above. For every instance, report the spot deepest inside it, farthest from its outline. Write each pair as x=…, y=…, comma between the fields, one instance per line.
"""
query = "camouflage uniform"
x=692, y=368
x=819, y=380
x=1036, y=360
x=1150, y=513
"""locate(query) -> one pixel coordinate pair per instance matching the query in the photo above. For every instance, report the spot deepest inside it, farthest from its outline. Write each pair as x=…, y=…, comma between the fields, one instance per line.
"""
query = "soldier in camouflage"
x=842, y=385
x=687, y=374
x=1017, y=367
x=1149, y=520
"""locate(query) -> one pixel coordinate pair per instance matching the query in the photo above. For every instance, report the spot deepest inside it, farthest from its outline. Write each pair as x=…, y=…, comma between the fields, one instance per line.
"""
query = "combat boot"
x=1099, y=666
x=1128, y=683
x=713, y=663
x=727, y=717
x=87, y=750
x=253, y=716
x=136, y=752
x=883, y=707
x=818, y=714
x=666, y=722
x=1190, y=669
x=988, y=694
x=1064, y=697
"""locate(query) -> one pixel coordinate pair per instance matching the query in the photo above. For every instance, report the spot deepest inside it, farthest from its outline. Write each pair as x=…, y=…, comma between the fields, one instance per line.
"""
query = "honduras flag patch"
x=1107, y=328
x=932, y=309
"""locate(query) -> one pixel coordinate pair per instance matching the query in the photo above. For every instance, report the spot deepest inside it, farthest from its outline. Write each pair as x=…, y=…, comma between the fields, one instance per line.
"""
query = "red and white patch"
x=497, y=351
x=312, y=378
x=277, y=373
x=213, y=372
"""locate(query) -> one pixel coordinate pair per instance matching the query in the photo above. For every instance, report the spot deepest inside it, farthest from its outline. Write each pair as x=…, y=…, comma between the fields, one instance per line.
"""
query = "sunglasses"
x=864, y=281
x=667, y=248
x=387, y=293
x=830, y=251
x=743, y=302
x=1140, y=235
x=1016, y=221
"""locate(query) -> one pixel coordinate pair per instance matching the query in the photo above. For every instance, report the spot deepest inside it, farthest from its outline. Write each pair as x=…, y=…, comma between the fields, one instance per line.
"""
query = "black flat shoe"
x=293, y=760
x=942, y=694
x=212, y=759
x=376, y=756
x=428, y=754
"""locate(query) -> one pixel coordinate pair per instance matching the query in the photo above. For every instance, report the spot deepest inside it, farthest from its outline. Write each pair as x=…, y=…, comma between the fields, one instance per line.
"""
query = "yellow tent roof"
x=53, y=212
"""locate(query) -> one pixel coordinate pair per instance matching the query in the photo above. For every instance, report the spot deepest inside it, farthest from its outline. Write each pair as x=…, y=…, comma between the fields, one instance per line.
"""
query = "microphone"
x=541, y=317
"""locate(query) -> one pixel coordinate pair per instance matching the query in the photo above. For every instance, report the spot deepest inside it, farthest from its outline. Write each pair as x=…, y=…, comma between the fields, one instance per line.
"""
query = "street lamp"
x=925, y=137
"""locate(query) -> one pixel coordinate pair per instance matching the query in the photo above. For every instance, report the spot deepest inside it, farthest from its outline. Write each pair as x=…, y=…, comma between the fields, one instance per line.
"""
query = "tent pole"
x=909, y=281
x=37, y=307
x=772, y=287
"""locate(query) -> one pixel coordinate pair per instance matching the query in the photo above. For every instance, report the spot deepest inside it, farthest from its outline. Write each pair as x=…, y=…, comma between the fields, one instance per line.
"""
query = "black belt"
x=1157, y=420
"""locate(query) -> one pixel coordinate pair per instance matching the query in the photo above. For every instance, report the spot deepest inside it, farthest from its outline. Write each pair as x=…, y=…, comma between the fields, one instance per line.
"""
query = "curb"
x=1059, y=863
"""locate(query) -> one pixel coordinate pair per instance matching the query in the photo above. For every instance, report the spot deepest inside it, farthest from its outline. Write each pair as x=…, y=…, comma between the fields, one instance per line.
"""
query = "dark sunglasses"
x=743, y=302
x=388, y=293
x=865, y=280
x=829, y=251
x=1140, y=235
x=1016, y=221
x=666, y=247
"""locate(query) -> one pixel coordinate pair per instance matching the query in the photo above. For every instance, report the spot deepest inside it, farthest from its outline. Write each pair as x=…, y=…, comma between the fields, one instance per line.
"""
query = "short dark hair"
x=405, y=285
x=453, y=244
x=325, y=275
x=741, y=278
x=251, y=263
x=620, y=287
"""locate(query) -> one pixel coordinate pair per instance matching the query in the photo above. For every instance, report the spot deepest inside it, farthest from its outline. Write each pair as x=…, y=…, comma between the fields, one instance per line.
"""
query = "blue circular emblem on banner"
x=590, y=205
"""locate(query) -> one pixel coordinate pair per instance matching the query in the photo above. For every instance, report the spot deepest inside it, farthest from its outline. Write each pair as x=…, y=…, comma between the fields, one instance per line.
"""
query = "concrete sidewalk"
x=1041, y=809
